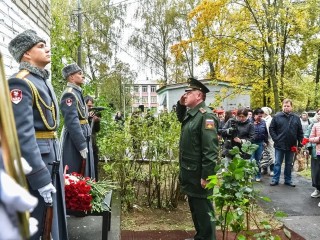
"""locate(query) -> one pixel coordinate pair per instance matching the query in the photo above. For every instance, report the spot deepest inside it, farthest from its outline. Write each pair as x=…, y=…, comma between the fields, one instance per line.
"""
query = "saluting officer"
x=76, y=135
x=198, y=155
x=36, y=115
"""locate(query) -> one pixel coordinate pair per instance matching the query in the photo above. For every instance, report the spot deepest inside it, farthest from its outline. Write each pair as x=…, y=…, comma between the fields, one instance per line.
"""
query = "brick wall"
x=17, y=16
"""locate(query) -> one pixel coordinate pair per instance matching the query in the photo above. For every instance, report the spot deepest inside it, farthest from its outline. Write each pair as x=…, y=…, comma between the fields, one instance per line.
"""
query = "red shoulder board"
x=16, y=96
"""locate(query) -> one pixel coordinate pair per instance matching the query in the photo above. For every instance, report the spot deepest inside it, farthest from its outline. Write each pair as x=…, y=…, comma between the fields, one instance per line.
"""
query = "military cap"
x=23, y=42
x=70, y=69
x=194, y=84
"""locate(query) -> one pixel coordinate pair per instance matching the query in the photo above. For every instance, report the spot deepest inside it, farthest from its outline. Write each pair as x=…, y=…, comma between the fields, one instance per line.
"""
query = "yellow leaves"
x=207, y=10
x=179, y=48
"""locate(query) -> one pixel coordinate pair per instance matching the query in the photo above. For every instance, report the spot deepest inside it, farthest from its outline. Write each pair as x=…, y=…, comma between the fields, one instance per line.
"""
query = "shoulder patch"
x=209, y=124
x=202, y=110
x=69, y=102
x=69, y=89
x=16, y=96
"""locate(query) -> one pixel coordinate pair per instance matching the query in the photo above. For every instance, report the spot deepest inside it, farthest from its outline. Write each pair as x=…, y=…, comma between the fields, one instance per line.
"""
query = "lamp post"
x=80, y=34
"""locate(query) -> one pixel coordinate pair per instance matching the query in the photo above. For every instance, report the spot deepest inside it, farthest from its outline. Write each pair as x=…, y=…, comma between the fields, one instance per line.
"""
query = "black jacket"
x=244, y=131
x=286, y=131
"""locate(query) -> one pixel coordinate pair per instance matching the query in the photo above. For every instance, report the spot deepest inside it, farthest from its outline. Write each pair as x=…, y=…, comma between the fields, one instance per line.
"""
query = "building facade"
x=17, y=16
x=144, y=95
x=232, y=98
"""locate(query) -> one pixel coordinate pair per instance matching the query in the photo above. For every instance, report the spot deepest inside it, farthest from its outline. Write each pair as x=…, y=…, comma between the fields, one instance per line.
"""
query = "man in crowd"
x=36, y=115
x=76, y=134
x=198, y=155
x=94, y=121
x=286, y=132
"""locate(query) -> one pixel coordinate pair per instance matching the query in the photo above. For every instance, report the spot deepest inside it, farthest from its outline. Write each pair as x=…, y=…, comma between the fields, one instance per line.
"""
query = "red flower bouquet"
x=305, y=141
x=77, y=192
x=85, y=194
x=294, y=149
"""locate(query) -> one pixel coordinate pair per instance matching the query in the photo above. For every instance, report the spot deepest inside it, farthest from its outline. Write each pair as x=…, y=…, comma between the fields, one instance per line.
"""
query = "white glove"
x=33, y=226
x=25, y=166
x=46, y=191
x=84, y=153
x=14, y=196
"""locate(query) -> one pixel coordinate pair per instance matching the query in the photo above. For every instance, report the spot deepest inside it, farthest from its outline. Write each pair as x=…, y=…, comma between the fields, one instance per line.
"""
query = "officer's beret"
x=194, y=84
x=70, y=69
x=23, y=42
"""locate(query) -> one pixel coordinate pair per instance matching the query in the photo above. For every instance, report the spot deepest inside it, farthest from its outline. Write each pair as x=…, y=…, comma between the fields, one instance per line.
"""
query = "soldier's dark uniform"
x=36, y=115
x=76, y=134
x=198, y=156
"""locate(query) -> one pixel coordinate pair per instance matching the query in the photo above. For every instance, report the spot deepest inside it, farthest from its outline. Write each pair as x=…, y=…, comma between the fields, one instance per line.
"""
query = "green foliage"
x=234, y=195
x=280, y=214
x=143, y=159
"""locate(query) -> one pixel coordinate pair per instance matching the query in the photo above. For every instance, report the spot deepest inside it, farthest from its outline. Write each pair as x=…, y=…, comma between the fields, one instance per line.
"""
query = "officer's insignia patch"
x=16, y=96
x=209, y=124
x=69, y=101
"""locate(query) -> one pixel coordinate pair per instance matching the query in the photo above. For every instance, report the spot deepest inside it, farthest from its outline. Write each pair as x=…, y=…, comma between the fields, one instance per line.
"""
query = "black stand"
x=106, y=215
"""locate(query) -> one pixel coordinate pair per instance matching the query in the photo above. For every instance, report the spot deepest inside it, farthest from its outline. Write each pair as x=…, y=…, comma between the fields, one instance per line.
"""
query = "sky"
x=129, y=56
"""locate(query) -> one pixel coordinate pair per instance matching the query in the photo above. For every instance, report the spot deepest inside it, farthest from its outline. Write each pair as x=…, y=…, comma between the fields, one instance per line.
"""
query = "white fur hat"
x=267, y=110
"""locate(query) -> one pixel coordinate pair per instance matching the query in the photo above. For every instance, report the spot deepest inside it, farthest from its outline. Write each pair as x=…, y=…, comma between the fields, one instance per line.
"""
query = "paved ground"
x=302, y=210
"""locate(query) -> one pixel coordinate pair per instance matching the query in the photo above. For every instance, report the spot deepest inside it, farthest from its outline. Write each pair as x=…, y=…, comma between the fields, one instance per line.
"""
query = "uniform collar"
x=194, y=110
x=43, y=73
x=69, y=84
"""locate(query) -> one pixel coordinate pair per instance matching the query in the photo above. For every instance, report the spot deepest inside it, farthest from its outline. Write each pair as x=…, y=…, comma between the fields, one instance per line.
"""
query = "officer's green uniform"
x=198, y=156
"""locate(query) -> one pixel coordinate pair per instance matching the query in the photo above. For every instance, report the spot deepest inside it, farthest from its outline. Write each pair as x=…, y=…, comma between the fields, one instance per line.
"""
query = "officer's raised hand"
x=182, y=100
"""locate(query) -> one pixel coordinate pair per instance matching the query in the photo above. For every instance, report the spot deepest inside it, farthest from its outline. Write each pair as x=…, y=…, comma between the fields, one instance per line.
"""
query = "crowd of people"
x=279, y=138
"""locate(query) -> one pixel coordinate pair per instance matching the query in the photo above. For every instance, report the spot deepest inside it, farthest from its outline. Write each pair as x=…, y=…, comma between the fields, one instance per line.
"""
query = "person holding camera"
x=94, y=122
x=237, y=131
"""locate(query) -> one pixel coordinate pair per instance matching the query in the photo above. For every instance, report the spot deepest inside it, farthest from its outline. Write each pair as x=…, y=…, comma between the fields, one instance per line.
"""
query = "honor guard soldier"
x=76, y=144
x=37, y=116
x=198, y=155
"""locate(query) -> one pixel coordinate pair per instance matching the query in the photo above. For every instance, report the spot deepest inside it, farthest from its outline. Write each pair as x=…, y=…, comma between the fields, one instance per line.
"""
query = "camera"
x=96, y=111
x=233, y=130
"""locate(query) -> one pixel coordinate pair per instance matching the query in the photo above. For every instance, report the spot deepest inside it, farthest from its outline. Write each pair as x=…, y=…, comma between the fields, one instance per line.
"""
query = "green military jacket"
x=198, y=148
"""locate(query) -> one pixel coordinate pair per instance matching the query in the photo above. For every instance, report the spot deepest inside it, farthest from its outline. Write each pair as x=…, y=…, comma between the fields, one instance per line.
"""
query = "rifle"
x=83, y=166
x=48, y=213
x=11, y=147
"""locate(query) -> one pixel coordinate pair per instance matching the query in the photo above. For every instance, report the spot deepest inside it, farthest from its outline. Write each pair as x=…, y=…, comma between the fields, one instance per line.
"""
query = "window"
x=136, y=99
x=153, y=99
x=144, y=99
x=153, y=88
x=144, y=88
x=136, y=89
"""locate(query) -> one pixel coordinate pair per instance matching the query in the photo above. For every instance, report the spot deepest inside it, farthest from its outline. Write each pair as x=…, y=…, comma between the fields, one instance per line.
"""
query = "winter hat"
x=70, y=69
x=267, y=110
x=23, y=42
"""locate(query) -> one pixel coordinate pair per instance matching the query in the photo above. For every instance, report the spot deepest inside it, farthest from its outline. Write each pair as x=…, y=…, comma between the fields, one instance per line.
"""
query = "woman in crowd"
x=313, y=133
x=268, y=153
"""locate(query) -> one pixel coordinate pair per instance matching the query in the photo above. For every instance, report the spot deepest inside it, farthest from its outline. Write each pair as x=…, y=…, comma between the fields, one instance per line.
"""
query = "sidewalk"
x=303, y=213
